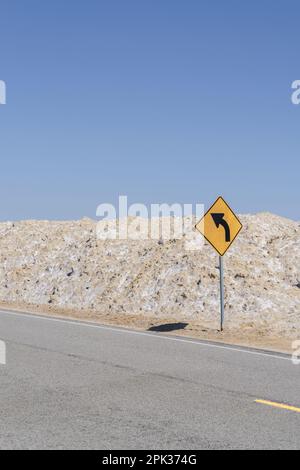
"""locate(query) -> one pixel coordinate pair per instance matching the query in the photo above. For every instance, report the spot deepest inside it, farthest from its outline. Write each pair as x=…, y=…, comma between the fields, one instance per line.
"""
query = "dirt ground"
x=250, y=336
x=64, y=268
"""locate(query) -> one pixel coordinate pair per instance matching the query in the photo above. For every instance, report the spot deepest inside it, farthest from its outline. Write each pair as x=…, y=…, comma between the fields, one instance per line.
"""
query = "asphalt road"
x=74, y=385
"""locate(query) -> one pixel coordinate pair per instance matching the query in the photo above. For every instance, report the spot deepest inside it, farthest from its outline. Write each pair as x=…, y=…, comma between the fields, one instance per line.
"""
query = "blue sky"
x=161, y=100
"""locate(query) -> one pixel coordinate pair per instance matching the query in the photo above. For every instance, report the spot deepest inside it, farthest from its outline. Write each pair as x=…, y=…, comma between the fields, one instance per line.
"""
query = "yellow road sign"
x=220, y=226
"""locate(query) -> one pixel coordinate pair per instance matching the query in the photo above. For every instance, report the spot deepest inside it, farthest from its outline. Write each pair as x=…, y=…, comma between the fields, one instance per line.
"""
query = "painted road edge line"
x=117, y=329
x=282, y=406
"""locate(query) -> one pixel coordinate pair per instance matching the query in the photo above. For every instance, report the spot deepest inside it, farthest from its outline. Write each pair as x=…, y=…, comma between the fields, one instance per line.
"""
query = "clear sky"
x=160, y=100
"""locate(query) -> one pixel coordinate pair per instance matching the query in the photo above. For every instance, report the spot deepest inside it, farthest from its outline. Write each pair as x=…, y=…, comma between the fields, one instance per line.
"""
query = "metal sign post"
x=221, y=290
x=220, y=226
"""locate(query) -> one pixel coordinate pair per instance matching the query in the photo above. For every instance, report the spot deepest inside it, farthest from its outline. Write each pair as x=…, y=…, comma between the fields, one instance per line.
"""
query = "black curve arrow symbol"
x=219, y=220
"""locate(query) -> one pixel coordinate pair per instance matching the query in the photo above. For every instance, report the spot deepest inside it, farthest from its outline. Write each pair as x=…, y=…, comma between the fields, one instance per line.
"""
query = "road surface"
x=69, y=385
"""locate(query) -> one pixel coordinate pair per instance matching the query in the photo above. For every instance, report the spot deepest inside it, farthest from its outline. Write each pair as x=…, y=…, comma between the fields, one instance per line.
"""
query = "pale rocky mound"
x=64, y=265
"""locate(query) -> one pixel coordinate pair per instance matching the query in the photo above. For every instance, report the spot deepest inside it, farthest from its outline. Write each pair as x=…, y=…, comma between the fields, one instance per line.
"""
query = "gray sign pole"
x=222, y=290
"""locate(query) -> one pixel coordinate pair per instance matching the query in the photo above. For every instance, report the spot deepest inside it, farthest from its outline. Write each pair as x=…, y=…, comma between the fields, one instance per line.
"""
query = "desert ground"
x=63, y=268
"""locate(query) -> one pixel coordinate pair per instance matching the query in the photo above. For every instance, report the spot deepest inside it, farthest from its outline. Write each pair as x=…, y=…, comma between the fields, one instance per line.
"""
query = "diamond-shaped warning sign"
x=220, y=226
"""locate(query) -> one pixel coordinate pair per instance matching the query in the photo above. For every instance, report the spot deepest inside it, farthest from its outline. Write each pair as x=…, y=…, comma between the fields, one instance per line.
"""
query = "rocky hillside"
x=64, y=265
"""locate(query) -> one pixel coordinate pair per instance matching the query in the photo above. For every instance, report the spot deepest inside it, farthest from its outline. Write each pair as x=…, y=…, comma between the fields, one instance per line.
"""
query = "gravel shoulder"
x=250, y=337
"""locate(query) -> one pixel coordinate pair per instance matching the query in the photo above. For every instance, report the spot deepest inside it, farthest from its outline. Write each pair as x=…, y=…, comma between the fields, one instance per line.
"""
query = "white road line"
x=141, y=333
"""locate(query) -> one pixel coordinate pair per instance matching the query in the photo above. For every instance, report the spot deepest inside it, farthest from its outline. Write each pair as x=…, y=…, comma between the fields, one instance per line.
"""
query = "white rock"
x=262, y=271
